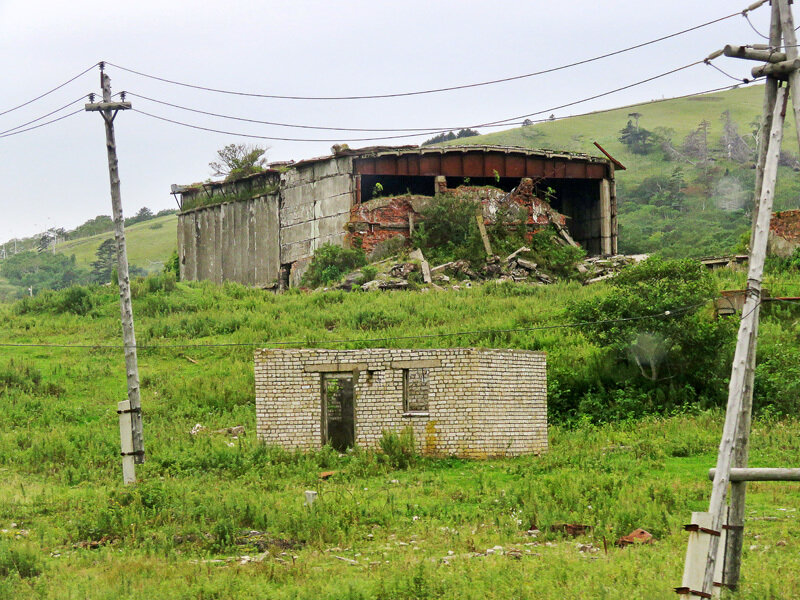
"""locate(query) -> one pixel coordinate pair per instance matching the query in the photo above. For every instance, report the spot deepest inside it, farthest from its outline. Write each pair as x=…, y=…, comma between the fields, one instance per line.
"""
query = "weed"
x=19, y=559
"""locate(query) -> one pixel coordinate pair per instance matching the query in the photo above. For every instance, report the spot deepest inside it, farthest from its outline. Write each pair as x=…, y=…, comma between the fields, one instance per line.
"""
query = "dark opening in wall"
x=504, y=183
x=395, y=185
x=338, y=411
x=579, y=201
x=416, y=389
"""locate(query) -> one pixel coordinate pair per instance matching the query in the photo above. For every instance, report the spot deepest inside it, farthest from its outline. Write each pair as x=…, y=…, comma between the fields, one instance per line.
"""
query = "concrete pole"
x=108, y=110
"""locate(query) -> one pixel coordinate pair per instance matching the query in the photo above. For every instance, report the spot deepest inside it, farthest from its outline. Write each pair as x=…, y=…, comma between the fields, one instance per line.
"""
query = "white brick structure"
x=480, y=403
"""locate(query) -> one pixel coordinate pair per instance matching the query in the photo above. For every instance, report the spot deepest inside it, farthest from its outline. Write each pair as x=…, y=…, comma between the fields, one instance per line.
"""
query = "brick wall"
x=481, y=402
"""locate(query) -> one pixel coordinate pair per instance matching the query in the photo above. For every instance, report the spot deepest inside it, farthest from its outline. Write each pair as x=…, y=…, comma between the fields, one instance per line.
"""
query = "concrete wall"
x=481, y=403
x=315, y=209
x=233, y=241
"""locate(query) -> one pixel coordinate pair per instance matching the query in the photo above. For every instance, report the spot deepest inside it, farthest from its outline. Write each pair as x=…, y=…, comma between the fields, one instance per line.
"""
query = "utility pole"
x=130, y=411
x=703, y=561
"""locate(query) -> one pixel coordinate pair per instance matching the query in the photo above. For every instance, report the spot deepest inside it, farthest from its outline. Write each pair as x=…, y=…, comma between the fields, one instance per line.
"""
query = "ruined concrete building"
x=262, y=230
x=466, y=402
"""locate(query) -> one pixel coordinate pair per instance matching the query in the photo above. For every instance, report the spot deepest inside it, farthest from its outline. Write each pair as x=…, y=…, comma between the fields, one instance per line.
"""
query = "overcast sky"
x=56, y=176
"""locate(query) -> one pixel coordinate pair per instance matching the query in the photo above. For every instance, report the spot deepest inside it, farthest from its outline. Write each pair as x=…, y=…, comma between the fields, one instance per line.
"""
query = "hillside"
x=700, y=209
x=149, y=244
x=215, y=517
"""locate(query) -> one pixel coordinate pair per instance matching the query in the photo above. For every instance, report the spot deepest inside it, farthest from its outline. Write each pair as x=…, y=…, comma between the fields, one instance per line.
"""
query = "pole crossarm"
x=760, y=474
x=778, y=70
x=107, y=106
x=750, y=53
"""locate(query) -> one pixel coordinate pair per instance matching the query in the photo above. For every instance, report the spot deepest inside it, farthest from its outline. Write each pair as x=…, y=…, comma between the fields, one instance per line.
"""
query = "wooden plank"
x=484, y=236
x=761, y=474
x=696, y=551
x=126, y=442
x=742, y=355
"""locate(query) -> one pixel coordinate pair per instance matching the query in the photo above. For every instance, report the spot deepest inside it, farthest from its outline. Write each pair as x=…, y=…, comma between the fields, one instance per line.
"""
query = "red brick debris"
x=637, y=536
x=380, y=219
x=786, y=224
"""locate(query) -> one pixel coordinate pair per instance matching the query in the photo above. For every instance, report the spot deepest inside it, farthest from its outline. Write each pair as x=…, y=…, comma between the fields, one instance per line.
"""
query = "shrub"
x=400, y=449
x=173, y=265
x=20, y=560
x=76, y=300
x=386, y=248
x=449, y=230
x=649, y=364
x=331, y=263
x=368, y=273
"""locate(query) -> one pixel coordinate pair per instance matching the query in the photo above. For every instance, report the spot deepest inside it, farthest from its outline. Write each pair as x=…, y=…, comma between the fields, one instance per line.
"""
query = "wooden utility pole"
x=698, y=580
x=736, y=512
x=129, y=410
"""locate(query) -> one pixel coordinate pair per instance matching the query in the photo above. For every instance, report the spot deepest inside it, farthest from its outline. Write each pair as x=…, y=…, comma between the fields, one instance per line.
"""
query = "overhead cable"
x=52, y=112
x=498, y=123
x=61, y=118
x=428, y=91
x=58, y=87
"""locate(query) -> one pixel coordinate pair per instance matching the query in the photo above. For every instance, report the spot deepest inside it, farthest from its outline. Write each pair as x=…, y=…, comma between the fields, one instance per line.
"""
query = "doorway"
x=338, y=411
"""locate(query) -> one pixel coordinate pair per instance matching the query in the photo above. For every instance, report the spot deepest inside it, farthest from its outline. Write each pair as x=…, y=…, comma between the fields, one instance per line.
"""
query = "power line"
x=428, y=91
x=659, y=315
x=43, y=116
x=713, y=66
x=498, y=123
x=753, y=27
x=276, y=124
x=58, y=87
x=80, y=110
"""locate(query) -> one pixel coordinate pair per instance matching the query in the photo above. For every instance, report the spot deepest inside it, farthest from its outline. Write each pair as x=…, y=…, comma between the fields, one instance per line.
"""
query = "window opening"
x=338, y=414
x=416, y=389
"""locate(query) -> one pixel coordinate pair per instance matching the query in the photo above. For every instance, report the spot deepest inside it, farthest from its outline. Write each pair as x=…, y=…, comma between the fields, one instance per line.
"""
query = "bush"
x=385, y=249
x=75, y=300
x=400, y=449
x=449, y=230
x=368, y=273
x=676, y=357
x=173, y=265
x=331, y=263
x=20, y=560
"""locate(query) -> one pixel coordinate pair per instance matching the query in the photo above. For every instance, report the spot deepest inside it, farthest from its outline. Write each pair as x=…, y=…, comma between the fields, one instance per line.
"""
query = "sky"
x=57, y=175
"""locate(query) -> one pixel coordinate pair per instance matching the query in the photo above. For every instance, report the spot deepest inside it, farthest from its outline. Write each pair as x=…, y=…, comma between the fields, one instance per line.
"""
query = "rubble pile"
x=415, y=271
x=599, y=268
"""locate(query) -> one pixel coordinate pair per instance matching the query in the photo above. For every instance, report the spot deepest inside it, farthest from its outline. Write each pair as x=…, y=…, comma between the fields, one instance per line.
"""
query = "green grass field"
x=70, y=529
x=149, y=244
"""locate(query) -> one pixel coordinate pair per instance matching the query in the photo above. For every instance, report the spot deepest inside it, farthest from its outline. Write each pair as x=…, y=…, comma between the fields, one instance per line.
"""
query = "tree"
x=695, y=145
x=637, y=139
x=734, y=146
x=449, y=136
x=238, y=160
x=105, y=259
x=144, y=214
x=42, y=271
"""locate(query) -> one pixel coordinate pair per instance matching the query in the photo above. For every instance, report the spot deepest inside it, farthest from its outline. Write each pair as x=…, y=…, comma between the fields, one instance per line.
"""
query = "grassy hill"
x=69, y=528
x=149, y=243
x=704, y=222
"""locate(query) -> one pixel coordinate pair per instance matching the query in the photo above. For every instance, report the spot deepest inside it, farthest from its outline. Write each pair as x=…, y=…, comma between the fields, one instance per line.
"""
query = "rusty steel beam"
x=479, y=163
